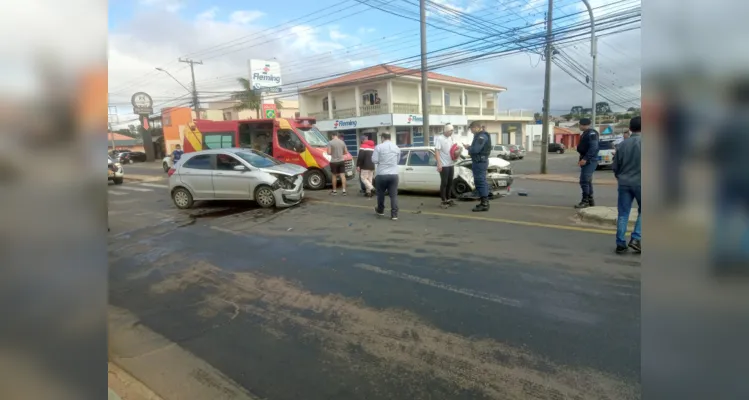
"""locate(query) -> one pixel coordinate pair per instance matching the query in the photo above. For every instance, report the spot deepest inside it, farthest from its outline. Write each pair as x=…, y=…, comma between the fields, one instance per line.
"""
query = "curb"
x=599, y=220
x=133, y=386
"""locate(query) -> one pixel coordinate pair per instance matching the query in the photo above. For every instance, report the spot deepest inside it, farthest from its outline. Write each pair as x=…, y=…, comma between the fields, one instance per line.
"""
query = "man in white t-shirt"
x=445, y=164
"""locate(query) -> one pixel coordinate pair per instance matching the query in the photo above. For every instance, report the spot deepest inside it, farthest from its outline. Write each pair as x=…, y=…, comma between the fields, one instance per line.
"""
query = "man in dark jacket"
x=479, y=152
x=588, y=150
x=627, y=163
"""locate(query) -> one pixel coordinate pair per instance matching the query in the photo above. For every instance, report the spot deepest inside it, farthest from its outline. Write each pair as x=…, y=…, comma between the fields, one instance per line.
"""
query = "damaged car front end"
x=498, y=177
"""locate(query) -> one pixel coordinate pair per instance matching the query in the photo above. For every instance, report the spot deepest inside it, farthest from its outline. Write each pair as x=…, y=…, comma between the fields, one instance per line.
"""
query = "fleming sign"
x=344, y=123
x=417, y=119
x=265, y=75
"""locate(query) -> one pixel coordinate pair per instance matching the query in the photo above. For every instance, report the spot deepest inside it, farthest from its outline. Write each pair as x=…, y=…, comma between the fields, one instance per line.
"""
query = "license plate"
x=501, y=183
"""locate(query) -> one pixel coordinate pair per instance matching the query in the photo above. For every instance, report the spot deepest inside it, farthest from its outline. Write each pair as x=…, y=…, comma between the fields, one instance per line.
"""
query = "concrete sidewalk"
x=122, y=386
x=604, y=215
x=566, y=178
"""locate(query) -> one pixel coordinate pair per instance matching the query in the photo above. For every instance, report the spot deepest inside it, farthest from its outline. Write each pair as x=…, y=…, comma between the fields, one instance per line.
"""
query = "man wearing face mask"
x=588, y=150
x=479, y=152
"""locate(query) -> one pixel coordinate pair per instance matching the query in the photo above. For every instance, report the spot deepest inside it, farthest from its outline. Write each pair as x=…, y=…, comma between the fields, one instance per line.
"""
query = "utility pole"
x=112, y=116
x=195, y=104
x=594, y=54
x=424, y=78
x=547, y=91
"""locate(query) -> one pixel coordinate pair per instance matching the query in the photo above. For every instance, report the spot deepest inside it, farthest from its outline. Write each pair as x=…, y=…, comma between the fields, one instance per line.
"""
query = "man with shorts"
x=337, y=149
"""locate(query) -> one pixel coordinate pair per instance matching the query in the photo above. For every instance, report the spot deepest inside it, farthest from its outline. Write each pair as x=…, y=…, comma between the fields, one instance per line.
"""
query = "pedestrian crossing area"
x=131, y=189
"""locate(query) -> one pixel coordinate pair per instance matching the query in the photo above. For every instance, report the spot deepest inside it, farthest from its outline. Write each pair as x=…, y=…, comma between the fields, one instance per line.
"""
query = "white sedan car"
x=417, y=171
x=235, y=174
x=606, y=151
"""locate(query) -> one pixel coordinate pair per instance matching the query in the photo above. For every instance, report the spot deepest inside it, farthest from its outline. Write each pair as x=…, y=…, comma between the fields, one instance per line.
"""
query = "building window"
x=464, y=100
x=370, y=97
x=447, y=98
x=325, y=104
x=227, y=116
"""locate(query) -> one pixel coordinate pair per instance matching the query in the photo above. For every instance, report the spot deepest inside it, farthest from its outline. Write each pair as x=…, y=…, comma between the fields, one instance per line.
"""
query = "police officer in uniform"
x=588, y=150
x=479, y=152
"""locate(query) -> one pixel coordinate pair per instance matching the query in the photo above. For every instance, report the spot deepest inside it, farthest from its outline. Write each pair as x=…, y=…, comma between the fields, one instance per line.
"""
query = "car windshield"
x=258, y=159
x=313, y=136
x=606, y=145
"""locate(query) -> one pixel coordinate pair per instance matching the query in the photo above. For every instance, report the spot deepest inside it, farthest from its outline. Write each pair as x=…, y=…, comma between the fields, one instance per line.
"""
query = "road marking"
x=440, y=285
x=155, y=185
x=135, y=189
x=116, y=193
x=486, y=219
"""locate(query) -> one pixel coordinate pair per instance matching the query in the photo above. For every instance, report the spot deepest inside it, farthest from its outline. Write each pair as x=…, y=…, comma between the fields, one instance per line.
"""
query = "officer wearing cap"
x=479, y=152
x=588, y=150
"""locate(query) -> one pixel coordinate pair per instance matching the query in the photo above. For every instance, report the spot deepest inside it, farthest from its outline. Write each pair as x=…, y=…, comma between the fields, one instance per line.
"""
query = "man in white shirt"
x=442, y=145
x=386, y=157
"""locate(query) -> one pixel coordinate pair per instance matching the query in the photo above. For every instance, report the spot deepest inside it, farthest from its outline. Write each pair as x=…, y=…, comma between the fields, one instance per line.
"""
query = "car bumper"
x=602, y=162
x=289, y=197
x=116, y=174
x=501, y=182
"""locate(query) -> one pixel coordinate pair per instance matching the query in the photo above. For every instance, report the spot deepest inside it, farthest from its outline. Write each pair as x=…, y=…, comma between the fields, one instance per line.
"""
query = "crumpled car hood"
x=285, y=169
x=493, y=162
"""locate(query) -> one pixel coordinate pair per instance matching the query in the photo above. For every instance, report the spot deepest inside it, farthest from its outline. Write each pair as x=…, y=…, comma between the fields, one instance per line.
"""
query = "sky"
x=313, y=40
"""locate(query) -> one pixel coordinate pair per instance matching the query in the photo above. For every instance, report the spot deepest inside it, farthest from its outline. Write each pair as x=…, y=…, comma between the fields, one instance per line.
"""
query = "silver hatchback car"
x=235, y=174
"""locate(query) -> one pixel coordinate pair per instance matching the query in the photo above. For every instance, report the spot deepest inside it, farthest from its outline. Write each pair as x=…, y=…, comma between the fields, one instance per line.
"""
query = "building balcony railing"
x=516, y=113
x=487, y=111
x=435, y=109
x=405, y=108
x=453, y=110
x=374, y=109
x=321, y=115
x=472, y=110
x=345, y=113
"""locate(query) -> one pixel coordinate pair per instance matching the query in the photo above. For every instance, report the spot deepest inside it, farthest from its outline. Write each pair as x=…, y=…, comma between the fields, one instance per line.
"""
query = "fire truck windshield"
x=313, y=136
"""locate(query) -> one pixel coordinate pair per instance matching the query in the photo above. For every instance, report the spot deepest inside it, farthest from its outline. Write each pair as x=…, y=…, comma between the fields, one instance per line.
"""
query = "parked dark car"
x=556, y=148
x=130, y=157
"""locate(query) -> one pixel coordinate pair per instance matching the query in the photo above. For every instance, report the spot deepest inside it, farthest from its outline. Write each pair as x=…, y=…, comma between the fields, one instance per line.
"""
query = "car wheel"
x=264, y=197
x=130, y=161
x=459, y=187
x=166, y=167
x=117, y=181
x=182, y=198
x=560, y=151
x=314, y=179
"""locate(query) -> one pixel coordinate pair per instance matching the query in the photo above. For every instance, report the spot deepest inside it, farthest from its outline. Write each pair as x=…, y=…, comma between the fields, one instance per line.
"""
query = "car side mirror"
x=240, y=168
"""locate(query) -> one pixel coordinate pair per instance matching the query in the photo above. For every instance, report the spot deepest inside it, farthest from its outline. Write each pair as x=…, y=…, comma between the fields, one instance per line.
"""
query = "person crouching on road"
x=365, y=167
x=627, y=172
x=443, y=145
x=588, y=150
x=479, y=152
x=386, y=156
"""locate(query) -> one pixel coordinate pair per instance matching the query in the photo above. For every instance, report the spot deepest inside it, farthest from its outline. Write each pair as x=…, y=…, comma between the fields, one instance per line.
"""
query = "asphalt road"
x=326, y=301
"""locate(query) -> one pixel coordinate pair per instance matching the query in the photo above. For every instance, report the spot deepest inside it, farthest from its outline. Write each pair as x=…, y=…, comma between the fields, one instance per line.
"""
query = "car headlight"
x=283, y=182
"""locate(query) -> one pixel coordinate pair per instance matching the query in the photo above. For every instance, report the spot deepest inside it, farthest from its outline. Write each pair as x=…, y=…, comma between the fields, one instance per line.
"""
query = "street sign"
x=265, y=74
x=270, y=111
x=275, y=89
x=142, y=103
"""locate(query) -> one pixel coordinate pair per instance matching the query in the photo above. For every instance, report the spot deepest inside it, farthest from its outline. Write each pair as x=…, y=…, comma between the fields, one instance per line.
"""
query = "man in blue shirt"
x=588, y=150
x=479, y=152
x=627, y=164
x=177, y=154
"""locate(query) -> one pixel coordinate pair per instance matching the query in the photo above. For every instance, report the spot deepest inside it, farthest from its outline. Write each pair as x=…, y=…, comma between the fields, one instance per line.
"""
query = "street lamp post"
x=193, y=92
x=594, y=54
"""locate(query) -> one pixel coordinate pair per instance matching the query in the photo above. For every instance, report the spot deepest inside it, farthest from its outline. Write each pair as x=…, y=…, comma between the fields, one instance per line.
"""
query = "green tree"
x=603, y=108
x=248, y=99
x=576, y=110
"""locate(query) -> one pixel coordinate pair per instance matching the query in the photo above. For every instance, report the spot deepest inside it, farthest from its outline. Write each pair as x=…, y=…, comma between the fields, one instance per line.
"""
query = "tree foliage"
x=603, y=108
x=248, y=99
x=576, y=110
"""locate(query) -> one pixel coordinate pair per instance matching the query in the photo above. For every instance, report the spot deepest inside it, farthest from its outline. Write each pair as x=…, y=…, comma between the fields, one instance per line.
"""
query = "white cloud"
x=245, y=17
x=363, y=31
x=168, y=5
x=225, y=45
x=356, y=63
x=337, y=35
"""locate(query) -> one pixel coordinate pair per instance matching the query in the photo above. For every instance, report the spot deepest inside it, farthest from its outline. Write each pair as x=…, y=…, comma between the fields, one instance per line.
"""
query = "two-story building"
x=364, y=104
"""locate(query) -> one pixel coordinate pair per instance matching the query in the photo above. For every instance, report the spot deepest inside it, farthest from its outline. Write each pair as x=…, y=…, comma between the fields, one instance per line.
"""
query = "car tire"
x=460, y=187
x=264, y=197
x=182, y=198
x=130, y=161
x=560, y=151
x=118, y=181
x=314, y=179
x=166, y=167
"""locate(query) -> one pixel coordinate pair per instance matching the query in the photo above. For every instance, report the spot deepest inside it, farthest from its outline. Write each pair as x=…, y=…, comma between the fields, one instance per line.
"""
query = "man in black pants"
x=443, y=145
x=386, y=156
